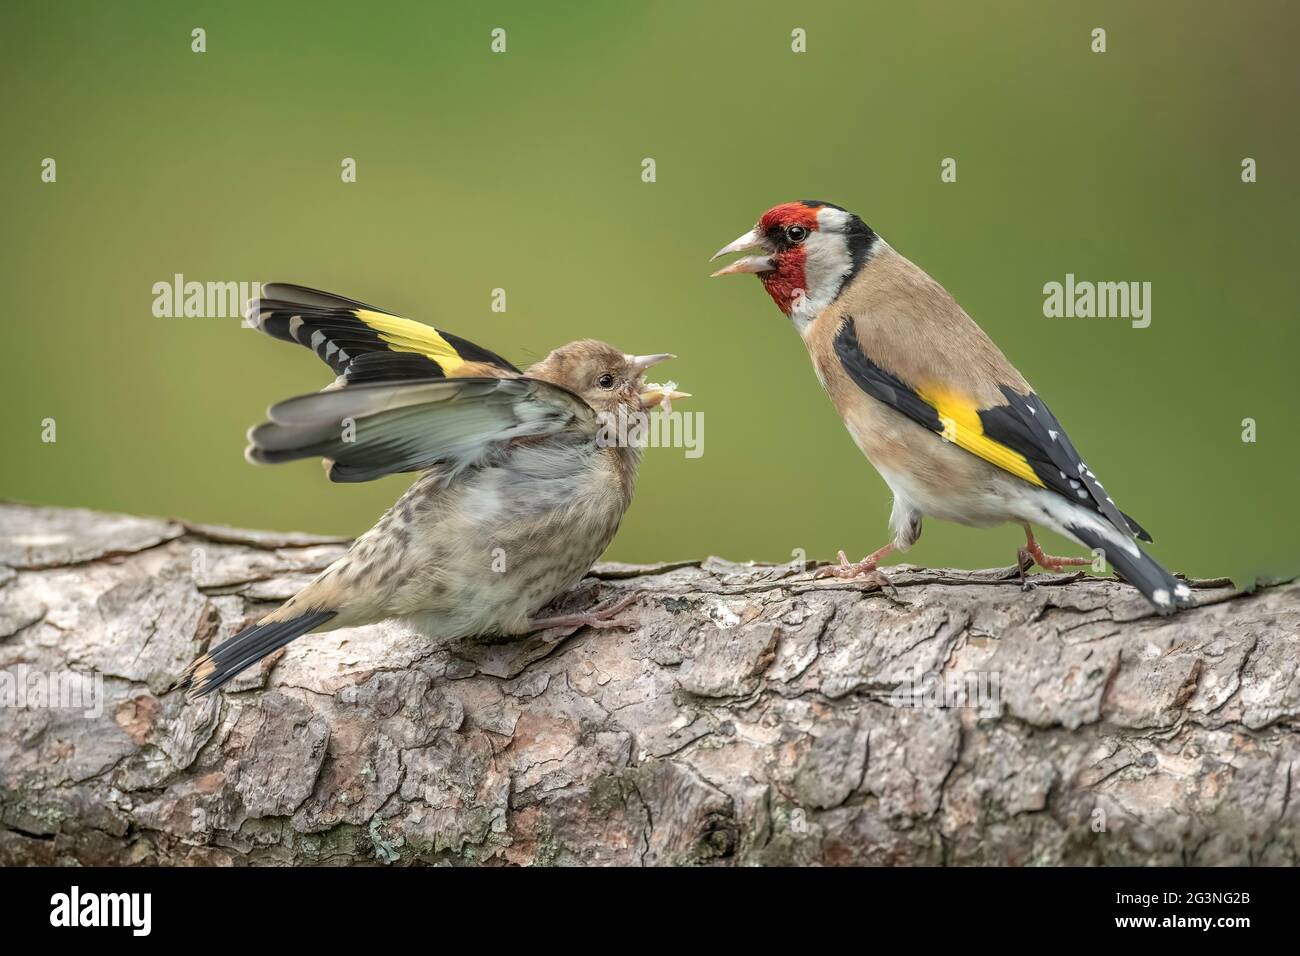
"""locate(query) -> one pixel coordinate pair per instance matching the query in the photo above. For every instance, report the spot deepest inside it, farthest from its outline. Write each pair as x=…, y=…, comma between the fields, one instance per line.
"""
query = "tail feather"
x=1141, y=533
x=1165, y=592
x=245, y=649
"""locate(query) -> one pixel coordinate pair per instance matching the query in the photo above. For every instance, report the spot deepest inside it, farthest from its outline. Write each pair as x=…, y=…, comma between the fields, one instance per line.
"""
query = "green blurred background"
x=523, y=171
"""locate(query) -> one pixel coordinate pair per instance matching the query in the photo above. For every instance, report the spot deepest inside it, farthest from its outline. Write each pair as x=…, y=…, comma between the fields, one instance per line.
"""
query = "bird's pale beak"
x=652, y=393
x=750, y=240
x=639, y=363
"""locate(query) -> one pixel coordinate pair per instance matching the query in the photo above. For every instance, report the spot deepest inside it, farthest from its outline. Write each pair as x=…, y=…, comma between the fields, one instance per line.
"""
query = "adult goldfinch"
x=952, y=427
x=520, y=488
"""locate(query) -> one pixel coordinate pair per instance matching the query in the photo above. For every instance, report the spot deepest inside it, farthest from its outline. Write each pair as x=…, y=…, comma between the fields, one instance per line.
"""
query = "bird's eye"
x=796, y=233
x=606, y=381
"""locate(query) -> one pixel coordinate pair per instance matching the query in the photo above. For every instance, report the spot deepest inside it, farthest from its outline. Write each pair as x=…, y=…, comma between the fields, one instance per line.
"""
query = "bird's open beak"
x=750, y=240
x=637, y=364
x=652, y=393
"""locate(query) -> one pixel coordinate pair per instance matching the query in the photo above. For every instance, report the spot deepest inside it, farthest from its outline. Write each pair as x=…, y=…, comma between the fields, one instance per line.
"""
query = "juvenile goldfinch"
x=952, y=427
x=520, y=489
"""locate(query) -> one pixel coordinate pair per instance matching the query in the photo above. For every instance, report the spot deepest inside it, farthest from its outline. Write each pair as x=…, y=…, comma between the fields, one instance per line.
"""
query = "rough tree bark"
x=750, y=716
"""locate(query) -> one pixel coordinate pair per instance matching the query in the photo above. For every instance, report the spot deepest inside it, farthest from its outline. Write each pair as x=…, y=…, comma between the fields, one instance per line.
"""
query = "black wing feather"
x=1024, y=424
x=328, y=324
x=879, y=384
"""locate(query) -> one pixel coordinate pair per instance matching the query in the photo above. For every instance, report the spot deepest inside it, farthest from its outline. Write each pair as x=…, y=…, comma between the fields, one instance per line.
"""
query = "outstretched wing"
x=365, y=344
x=368, y=431
x=1022, y=436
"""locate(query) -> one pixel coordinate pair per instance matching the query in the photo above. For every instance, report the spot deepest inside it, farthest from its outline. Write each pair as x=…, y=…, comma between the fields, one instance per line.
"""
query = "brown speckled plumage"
x=496, y=525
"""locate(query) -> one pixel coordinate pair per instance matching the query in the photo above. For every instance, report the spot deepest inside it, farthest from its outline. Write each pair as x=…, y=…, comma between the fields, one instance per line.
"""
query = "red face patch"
x=786, y=282
x=789, y=214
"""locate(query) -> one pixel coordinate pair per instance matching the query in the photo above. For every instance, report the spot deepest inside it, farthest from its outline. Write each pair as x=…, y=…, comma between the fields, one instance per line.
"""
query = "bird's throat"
x=787, y=283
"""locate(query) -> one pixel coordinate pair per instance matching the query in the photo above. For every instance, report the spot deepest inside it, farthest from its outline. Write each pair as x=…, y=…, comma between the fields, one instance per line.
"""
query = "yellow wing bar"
x=403, y=335
x=962, y=426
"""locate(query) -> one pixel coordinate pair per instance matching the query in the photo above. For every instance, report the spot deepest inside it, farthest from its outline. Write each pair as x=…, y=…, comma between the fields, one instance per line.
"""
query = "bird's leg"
x=1032, y=553
x=866, y=568
x=598, y=617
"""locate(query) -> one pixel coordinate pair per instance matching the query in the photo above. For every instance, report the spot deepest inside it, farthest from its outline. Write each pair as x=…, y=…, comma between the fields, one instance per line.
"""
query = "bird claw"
x=846, y=570
x=599, y=618
x=603, y=614
x=865, y=569
x=602, y=623
x=1028, y=556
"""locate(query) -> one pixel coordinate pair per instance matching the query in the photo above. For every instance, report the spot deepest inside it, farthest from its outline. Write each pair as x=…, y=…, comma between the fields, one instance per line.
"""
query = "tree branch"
x=749, y=715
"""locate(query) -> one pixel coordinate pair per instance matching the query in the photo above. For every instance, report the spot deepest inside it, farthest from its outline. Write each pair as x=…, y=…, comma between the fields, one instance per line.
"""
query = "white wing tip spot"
x=1160, y=596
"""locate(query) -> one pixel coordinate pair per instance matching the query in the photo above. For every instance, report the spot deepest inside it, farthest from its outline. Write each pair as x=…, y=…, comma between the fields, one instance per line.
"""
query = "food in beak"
x=653, y=394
